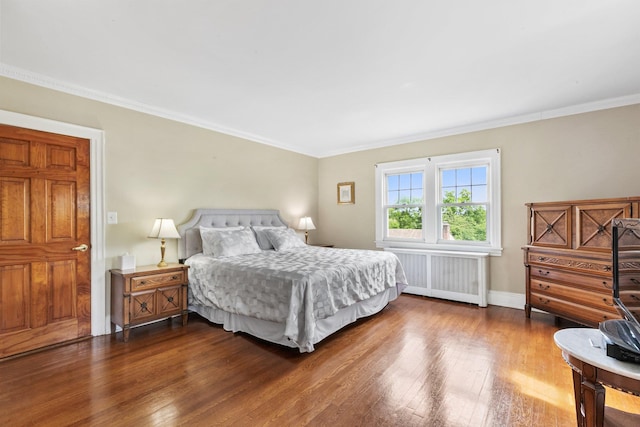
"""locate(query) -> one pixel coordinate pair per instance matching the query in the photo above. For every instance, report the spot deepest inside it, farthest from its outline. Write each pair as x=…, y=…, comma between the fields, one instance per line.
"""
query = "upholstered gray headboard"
x=190, y=242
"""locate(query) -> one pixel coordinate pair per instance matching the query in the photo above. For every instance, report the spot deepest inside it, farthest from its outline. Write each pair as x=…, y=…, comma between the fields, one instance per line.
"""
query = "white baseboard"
x=507, y=299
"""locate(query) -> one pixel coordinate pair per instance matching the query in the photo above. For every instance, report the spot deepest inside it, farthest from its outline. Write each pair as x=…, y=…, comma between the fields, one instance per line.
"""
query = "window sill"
x=492, y=251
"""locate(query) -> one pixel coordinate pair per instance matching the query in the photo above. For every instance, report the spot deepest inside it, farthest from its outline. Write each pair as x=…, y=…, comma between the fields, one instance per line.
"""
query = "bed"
x=250, y=273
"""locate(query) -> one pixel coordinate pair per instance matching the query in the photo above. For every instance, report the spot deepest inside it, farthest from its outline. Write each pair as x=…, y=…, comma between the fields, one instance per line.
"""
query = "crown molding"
x=71, y=89
x=588, y=107
x=47, y=82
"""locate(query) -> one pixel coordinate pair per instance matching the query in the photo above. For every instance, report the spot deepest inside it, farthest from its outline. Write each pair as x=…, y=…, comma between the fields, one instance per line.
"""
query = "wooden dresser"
x=568, y=257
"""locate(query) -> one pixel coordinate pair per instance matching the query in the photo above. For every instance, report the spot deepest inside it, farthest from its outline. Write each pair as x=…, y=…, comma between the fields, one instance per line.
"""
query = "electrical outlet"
x=112, y=217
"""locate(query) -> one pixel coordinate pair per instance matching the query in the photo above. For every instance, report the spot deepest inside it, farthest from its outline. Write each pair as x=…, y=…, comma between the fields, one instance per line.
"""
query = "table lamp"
x=306, y=224
x=163, y=228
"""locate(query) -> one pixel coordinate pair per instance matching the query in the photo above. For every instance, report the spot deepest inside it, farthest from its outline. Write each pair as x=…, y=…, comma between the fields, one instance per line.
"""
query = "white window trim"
x=431, y=166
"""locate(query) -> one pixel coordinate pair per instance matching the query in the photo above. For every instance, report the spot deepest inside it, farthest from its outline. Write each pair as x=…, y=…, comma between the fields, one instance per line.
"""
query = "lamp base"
x=162, y=263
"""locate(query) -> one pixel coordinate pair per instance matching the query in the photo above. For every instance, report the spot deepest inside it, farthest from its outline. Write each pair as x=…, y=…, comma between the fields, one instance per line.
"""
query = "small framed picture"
x=346, y=193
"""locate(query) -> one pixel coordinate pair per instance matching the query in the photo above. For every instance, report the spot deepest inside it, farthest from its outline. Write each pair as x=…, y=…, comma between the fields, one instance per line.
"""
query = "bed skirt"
x=274, y=332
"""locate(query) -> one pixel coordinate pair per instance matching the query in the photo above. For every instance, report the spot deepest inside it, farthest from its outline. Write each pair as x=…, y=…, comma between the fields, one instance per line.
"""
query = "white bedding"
x=298, y=291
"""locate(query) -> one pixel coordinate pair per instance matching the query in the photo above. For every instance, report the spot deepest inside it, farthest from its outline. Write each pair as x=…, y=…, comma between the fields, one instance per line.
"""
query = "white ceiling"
x=332, y=76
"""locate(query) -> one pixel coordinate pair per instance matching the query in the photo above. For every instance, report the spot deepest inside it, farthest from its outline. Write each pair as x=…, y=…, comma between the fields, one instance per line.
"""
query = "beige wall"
x=156, y=167
x=593, y=155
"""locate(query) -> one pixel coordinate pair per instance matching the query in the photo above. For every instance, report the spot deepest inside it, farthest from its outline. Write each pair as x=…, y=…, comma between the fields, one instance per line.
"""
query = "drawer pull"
x=606, y=285
x=606, y=302
x=607, y=268
x=544, y=287
x=143, y=282
x=543, y=301
x=543, y=273
x=540, y=258
x=635, y=281
x=170, y=299
x=143, y=306
x=174, y=277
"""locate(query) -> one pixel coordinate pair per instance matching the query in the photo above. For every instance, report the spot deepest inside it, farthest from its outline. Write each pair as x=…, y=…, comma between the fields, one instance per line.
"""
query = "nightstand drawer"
x=170, y=300
x=153, y=281
x=143, y=305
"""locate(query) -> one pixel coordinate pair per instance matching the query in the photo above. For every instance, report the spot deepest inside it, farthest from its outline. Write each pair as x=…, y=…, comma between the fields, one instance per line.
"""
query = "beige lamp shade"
x=163, y=228
x=306, y=223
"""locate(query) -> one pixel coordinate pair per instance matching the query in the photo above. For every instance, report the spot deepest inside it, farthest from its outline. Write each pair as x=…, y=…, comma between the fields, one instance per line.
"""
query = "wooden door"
x=45, y=278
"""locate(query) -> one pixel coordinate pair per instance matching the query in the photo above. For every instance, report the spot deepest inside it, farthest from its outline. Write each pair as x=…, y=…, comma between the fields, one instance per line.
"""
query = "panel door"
x=593, y=224
x=551, y=226
x=45, y=278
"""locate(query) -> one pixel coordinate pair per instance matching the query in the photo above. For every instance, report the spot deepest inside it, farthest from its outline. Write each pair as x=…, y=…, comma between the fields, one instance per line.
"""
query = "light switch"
x=112, y=217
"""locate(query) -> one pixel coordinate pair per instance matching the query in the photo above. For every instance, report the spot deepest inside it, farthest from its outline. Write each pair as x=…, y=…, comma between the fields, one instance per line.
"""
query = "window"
x=404, y=204
x=449, y=202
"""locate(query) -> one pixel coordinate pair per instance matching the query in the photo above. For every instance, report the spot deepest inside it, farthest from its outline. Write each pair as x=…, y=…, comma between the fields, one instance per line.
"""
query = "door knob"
x=81, y=248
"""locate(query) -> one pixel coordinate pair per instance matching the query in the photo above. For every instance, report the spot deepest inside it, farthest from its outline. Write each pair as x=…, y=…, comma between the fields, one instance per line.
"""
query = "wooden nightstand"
x=148, y=293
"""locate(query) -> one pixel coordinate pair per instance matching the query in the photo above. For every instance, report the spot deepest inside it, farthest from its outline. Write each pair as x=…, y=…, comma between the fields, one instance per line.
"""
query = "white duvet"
x=295, y=287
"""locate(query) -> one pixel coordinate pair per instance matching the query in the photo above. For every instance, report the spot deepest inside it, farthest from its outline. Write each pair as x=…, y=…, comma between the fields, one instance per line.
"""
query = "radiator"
x=458, y=276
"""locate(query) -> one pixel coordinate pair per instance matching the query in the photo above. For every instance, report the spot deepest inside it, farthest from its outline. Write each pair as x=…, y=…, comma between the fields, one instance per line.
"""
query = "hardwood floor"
x=420, y=362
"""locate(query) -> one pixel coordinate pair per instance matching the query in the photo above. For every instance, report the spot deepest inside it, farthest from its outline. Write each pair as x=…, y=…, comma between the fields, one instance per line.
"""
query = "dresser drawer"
x=567, y=309
x=581, y=281
x=601, y=301
x=153, y=281
x=578, y=264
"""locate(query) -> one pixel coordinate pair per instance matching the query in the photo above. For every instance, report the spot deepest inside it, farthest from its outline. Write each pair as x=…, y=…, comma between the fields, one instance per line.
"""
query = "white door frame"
x=99, y=324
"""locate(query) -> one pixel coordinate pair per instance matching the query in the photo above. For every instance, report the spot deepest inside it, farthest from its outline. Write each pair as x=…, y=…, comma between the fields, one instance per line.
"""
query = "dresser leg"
x=125, y=333
x=527, y=310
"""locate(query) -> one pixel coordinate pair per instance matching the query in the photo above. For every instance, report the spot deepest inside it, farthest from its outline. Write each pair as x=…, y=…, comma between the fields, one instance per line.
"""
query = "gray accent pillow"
x=283, y=239
x=261, y=236
x=224, y=242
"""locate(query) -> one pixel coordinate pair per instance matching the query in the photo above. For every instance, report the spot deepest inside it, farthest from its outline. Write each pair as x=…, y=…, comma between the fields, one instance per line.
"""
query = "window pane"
x=449, y=195
x=479, y=175
x=448, y=177
x=416, y=180
x=463, y=176
x=479, y=194
x=405, y=197
x=392, y=182
x=405, y=223
x=416, y=196
x=405, y=181
x=392, y=197
x=463, y=195
x=464, y=223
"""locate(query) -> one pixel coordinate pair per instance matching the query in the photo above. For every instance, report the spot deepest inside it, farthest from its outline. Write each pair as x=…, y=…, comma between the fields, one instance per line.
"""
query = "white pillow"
x=261, y=236
x=283, y=239
x=228, y=241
